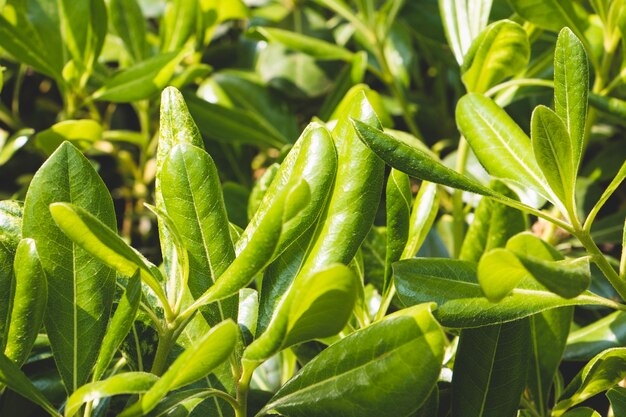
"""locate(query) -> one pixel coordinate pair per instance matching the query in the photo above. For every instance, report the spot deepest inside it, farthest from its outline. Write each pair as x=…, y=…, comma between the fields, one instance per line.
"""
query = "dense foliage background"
x=253, y=75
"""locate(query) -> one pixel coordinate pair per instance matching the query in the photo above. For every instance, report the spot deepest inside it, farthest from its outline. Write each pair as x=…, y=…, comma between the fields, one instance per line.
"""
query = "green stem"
x=243, y=386
x=15, y=100
x=600, y=260
x=519, y=82
x=458, y=226
x=166, y=342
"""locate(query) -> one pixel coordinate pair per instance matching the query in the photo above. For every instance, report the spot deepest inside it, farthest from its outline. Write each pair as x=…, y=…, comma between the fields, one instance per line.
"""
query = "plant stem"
x=166, y=342
x=519, y=82
x=243, y=386
x=598, y=258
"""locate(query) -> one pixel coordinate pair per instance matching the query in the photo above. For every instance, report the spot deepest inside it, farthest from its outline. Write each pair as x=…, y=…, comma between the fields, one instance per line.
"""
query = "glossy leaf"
x=500, y=51
x=499, y=272
x=490, y=370
x=453, y=285
x=617, y=396
x=571, y=87
x=103, y=243
x=553, y=151
x=463, y=21
x=129, y=24
x=178, y=24
x=551, y=14
x=120, y=326
x=81, y=133
x=207, y=354
x=192, y=194
x=423, y=214
x=499, y=143
x=14, y=378
x=582, y=412
x=260, y=188
x=567, y=278
x=414, y=161
x=313, y=159
x=588, y=341
x=11, y=226
x=124, y=383
x=314, y=47
x=140, y=81
x=386, y=369
x=29, y=303
x=80, y=288
x=316, y=306
x=84, y=26
x=398, y=205
x=603, y=372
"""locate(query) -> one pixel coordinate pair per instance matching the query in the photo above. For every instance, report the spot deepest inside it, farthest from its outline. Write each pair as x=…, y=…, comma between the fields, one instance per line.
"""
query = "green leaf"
x=423, y=214
x=603, y=372
x=413, y=160
x=124, y=383
x=142, y=80
x=340, y=232
x=103, y=243
x=453, y=285
x=316, y=306
x=14, y=378
x=551, y=14
x=232, y=125
x=16, y=142
x=395, y=364
x=398, y=206
x=205, y=355
x=493, y=225
x=260, y=188
x=178, y=24
x=463, y=21
x=120, y=326
x=499, y=272
x=190, y=186
x=567, y=278
x=490, y=370
x=11, y=226
x=29, y=303
x=499, y=143
x=571, y=87
x=129, y=24
x=80, y=288
x=582, y=412
x=314, y=47
x=351, y=74
x=500, y=51
x=313, y=159
x=23, y=42
x=553, y=152
x=81, y=133
x=617, y=396
x=84, y=26
x=588, y=341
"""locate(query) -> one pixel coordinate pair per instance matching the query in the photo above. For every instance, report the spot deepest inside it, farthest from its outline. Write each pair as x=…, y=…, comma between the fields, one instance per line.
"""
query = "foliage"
x=312, y=208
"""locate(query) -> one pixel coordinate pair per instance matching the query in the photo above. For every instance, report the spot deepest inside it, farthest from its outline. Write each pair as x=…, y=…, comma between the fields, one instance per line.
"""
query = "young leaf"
x=29, y=303
x=205, y=355
x=490, y=370
x=11, y=226
x=499, y=143
x=340, y=233
x=314, y=47
x=453, y=285
x=571, y=87
x=191, y=192
x=398, y=206
x=582, y=412
x=552, y=15
x=178, y=24
x=80, y=288
x=499, y=272
x=603, y=372
x=84, y=26
x=316, y=306
x=500, y=51
x=386, y=369
x=567, y=278
x=120, y=325
x=553, y=151
x=423, y=214
x=463, y=22
x=103, y=243
x=414, y=161
x=14, y=378
x=129, y=24
x=79, y=132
